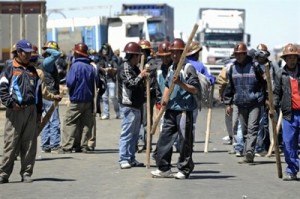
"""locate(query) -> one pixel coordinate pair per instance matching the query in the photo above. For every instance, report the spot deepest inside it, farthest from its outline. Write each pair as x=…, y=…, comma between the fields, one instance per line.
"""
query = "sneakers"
x=55, y=150
x=180, y=175
x=26, y=179
x=46, y=150
x=289, y=177
x=249, y=158
x=162, y=174
x=136, y=163
x=261, y=154
x=3, y=180
x=62, y=151
x=125, y=165
x=238, y=154
x=104, y=117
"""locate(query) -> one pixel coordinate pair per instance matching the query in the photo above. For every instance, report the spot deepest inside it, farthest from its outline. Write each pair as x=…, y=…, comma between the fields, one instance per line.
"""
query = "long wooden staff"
x=148, y=121
x=177, y=72
x=47, y=117
x=278, y=126
x=208, y=122
x=272, y=112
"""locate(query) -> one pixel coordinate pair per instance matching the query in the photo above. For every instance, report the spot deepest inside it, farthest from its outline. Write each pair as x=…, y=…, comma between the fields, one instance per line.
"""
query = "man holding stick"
x=287, y=96
x=178, y=118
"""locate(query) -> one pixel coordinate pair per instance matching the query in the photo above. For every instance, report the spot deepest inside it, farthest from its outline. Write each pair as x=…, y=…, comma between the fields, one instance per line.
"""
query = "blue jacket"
x=201, y=69
x=81, y=81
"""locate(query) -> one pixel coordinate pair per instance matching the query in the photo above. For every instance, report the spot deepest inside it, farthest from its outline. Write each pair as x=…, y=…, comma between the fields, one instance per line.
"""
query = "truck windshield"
x=134, y=30
x=156, y=31
x=225, y=40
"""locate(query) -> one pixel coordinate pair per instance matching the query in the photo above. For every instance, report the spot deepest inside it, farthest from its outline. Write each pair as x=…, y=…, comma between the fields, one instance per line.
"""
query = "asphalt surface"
x=97, y=174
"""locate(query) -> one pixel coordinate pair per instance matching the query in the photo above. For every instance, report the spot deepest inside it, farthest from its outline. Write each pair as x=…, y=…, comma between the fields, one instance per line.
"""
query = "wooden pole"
x=272, y=112
x=208, y=122
x=177, y=72
x=278, y=126
x=148, y=122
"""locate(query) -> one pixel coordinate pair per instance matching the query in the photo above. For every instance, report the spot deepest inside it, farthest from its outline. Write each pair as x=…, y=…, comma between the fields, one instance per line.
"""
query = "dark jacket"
x=282, y=92
x=20, y=85
x=246, y=86
x=131, y=89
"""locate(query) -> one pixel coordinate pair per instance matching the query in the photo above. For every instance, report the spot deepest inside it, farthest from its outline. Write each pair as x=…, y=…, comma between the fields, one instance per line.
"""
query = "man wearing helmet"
x=50, y=135
x=246, y=91
x=80, y=81
x=131, y=96
x=287, y=97
x=178, y=118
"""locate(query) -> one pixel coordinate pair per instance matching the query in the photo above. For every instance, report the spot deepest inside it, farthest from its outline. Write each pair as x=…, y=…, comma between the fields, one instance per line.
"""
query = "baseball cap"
x=24, y=45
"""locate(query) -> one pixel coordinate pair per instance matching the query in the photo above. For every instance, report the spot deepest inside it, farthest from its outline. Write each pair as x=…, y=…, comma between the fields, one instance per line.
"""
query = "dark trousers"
x=176, y=123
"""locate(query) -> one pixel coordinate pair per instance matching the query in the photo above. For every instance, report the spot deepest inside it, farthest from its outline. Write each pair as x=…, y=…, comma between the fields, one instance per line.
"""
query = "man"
x=246, y=90
x=20, y=92
x=178, y=118
x=131, y=95
x=80, y=81
x=286, y=95
x=50, y=136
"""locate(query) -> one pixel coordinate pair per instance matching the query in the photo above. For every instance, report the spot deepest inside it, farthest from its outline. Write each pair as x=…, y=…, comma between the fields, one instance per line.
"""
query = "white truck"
x=219, y=31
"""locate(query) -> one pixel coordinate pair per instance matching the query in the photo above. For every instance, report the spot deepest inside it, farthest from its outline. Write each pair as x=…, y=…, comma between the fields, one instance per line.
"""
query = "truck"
x=18, y=20
x=153, y=22
x=220, y=30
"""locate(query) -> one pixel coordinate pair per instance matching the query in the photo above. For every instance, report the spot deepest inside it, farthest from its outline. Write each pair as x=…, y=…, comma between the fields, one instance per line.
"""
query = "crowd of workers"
x=30, y=84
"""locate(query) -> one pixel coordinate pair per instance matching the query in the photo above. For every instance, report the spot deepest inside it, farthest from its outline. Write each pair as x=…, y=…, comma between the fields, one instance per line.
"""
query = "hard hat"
x=81, y=49
x=240, y=48
x=133, y=48
x=13, y=48
x=177, y=44
x=164, y=49
x=289, y=49
x=35, y=52
x=50, y=44
x=145, y=44
x=193, y=48
x=262, y=51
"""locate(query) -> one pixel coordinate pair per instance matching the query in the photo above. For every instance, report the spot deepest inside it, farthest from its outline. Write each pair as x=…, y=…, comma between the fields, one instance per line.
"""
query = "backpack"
x=203, y=96
x=102, y=83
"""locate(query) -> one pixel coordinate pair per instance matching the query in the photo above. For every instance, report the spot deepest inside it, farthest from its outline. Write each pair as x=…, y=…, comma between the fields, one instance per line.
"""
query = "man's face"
x=291, y=61
x=175, y=55
x=166, y=59
x=24, y=57
x=240, y=57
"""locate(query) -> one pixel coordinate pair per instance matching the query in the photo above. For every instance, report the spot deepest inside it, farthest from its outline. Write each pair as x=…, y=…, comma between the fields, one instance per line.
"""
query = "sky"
x=272, y=22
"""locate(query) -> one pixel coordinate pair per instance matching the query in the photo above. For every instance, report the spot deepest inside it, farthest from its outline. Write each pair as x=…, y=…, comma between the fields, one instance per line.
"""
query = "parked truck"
x=219, y=31
x=153, y=22
x=18, y=20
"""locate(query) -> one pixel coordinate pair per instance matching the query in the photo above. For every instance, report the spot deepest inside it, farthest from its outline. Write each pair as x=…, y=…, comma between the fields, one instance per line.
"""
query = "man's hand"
x=16, y=107
x=228, y=109
x=57, y=98
x=144, y=73
x=177, y=80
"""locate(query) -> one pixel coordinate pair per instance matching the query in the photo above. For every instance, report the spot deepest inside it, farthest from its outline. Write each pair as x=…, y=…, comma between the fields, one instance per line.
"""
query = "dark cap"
x=24, y=45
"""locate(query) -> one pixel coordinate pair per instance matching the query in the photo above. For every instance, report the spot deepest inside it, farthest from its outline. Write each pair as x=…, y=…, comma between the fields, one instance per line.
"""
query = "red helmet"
x=81, y=49
x=133, y=48
x=145, y=44
x=50, y=44
x=35, y=51
x=289, y=49
x=240, y=48
x=193, y=48
x=177, y=44
x=164, y=49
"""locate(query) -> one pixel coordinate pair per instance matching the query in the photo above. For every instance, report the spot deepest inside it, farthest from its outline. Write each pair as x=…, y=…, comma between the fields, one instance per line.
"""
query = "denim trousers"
x=110, y=93
x=290, y=135
x=238, y=137
x=263, y=137
x=130, y=126
x=50, y=135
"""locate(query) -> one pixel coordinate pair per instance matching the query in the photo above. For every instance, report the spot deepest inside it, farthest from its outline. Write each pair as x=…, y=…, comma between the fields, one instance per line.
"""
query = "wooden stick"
x=278, y=126
x=272, y=112
x=208, y=122
x=148, y=122
x=47, y=117
x=177, y=72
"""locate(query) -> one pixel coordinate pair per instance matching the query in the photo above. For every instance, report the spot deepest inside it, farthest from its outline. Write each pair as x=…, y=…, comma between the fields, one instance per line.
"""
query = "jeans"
x=111, y=93
x=50, y=135
x=130, y=126
x=238, y=138
x=263, y=137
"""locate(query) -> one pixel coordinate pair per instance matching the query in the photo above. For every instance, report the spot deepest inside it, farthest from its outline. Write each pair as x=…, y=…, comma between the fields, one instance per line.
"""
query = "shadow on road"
x=53, y=179
x=54, y=158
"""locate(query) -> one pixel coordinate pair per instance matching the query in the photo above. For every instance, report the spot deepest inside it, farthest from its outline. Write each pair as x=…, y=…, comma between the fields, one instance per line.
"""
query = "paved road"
x=217, y=174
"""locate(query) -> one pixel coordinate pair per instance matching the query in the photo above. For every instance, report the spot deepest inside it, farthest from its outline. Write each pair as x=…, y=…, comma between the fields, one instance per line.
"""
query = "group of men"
x=172, y=87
